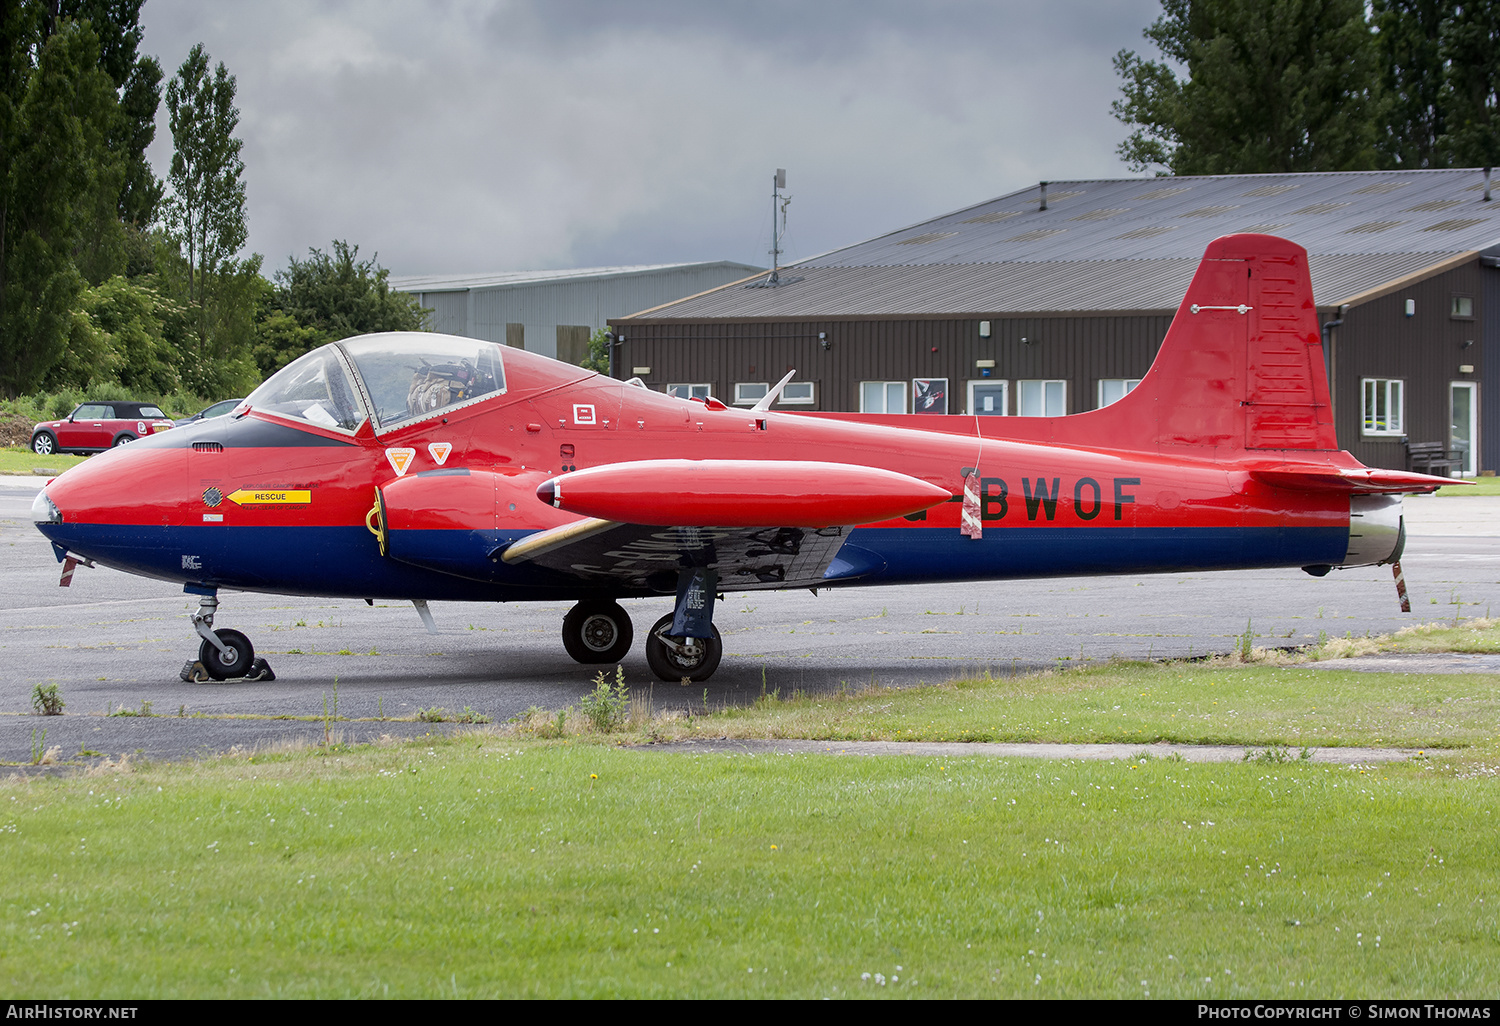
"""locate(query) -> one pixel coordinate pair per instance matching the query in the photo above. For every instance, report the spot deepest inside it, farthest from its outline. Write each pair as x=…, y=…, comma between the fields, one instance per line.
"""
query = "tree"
x=329, y=297
x=1471, y=48
x=72, y=166
x=138, y=82
x=56, y=174
x=1413, y=70
x=1272, y=85
x=598, y=358
x=206, y=211
x=119, y=335
x=140, y=198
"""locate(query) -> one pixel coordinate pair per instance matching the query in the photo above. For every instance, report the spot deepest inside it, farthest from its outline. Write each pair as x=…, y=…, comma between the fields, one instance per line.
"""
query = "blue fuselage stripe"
x=344, y=561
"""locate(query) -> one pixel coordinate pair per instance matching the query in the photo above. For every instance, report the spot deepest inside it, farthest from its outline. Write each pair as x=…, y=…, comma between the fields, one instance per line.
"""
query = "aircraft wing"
x=758, y=524
x=647, y=556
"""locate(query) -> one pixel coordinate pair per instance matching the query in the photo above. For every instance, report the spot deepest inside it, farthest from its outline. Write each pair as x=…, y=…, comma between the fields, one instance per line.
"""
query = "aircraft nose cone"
x=550, y=492
x=44, y=510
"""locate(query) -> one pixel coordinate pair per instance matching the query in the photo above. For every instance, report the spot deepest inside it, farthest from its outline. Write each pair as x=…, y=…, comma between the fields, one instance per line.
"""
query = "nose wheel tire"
x=233, y=663
x=597, y=632
x=671, y=659
x=44, y=444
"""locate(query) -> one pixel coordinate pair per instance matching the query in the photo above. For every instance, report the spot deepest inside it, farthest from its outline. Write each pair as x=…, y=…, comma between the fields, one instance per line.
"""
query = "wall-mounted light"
x=1411, y=308
x=641, y=371
x=824, y=341
x=1466, y=368
x=984, y=329
x=1466, y=343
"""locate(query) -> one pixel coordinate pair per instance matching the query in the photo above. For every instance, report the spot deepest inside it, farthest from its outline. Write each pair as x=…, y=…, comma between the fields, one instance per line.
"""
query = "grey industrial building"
x=555, y=312
x=1054, y=299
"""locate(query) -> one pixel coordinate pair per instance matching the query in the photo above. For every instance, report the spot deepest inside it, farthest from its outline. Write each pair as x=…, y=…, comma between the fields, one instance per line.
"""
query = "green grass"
x=497, y=865
x=1275, y=699
x=487, y=867
x=15, y=459
x=1478, y=486
x=1142, y=703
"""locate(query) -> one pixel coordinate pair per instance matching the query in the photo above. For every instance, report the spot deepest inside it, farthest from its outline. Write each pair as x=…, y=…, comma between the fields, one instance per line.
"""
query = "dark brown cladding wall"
x=1425, y=351
x=1079, y=350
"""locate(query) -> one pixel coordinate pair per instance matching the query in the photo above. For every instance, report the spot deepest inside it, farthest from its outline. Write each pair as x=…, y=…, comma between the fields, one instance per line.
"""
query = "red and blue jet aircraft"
x=417, y=466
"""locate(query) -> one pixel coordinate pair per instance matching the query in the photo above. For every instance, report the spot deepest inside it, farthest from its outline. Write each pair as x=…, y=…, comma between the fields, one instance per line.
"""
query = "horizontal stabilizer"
x=1361, y=480
x=740, y=493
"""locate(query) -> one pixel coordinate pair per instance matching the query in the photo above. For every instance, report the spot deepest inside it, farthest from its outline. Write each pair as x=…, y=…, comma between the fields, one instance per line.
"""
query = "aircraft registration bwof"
x=417, y=466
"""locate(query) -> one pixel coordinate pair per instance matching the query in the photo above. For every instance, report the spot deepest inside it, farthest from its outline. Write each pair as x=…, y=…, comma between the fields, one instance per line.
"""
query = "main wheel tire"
x=671, y=665
x=597, y=632
x=43, y=443
x=122, y=439
x=233, y=663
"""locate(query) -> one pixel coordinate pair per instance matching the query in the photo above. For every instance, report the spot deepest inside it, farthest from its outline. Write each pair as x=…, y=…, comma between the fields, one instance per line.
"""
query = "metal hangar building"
x=1055, y=299
x=555, y=312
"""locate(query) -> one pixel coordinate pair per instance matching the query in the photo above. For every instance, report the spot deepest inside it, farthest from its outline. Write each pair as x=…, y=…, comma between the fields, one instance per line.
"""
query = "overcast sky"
x=453, y=136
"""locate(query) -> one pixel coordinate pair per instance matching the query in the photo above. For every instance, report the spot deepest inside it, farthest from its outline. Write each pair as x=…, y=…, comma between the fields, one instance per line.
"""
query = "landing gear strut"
x=597, y=632
x=223, y=653
x=673, y=658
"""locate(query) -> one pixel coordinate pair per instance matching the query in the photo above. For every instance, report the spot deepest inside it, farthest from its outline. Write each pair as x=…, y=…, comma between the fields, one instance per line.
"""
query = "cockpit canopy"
x=393, y=379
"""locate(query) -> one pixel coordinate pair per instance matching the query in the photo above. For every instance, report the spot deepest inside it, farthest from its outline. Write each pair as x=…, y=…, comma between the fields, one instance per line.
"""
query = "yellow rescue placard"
x=270, y=497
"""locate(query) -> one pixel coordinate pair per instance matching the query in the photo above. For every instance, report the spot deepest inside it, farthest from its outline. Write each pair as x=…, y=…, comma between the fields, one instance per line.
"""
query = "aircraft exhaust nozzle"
x=1377, y=534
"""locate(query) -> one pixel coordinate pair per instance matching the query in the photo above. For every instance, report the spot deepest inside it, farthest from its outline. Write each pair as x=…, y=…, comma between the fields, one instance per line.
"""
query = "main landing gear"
x=673, y=658
x=683, y=645
x=224, y=654
x=597, y=631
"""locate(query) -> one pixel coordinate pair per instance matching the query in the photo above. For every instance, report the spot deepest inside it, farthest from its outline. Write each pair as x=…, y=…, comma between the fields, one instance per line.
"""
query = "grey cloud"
x=453, y=136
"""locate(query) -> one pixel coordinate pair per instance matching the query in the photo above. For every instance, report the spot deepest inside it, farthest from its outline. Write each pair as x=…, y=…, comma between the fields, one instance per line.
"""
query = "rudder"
x=1241, y=366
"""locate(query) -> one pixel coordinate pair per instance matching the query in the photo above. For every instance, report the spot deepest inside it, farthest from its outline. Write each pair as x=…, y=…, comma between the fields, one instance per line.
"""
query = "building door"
x=1463, y=406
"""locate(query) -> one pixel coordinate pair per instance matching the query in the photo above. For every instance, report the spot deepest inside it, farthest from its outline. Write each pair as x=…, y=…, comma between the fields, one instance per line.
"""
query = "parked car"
x=219, y=409
x=96, y=426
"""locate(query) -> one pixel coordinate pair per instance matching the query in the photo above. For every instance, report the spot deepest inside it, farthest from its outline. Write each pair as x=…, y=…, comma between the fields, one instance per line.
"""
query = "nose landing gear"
x=224, y=654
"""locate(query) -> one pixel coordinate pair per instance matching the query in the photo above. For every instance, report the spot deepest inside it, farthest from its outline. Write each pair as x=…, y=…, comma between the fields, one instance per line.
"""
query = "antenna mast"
x=778, y=183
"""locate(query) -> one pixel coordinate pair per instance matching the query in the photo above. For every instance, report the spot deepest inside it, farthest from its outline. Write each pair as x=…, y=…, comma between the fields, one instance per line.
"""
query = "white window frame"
x=742, y=399
x=1375, y=392
x=901, y=389
x=973, y=405
x=1129, y=384
x=1043, y=382
x=810, y=399
x=690, y=390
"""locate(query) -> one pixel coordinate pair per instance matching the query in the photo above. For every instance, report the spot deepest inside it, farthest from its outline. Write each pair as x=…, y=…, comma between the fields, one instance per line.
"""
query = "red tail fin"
x=1241, y=366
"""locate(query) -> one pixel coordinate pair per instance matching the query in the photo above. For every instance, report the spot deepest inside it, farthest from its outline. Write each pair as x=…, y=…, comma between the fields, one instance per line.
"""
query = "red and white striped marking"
x=970, y=526
x=1401, y=587
x=69, y=565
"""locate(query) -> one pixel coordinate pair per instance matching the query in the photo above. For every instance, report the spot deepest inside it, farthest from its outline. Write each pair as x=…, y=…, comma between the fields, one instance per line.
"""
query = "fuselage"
x=268, y=502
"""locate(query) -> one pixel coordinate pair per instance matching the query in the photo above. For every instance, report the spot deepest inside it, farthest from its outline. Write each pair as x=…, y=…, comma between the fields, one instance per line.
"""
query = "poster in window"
x=929, y=395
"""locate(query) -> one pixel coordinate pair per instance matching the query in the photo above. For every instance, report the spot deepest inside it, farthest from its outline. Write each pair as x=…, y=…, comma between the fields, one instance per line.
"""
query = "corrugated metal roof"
x=1129, y=244
x=460, y=282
